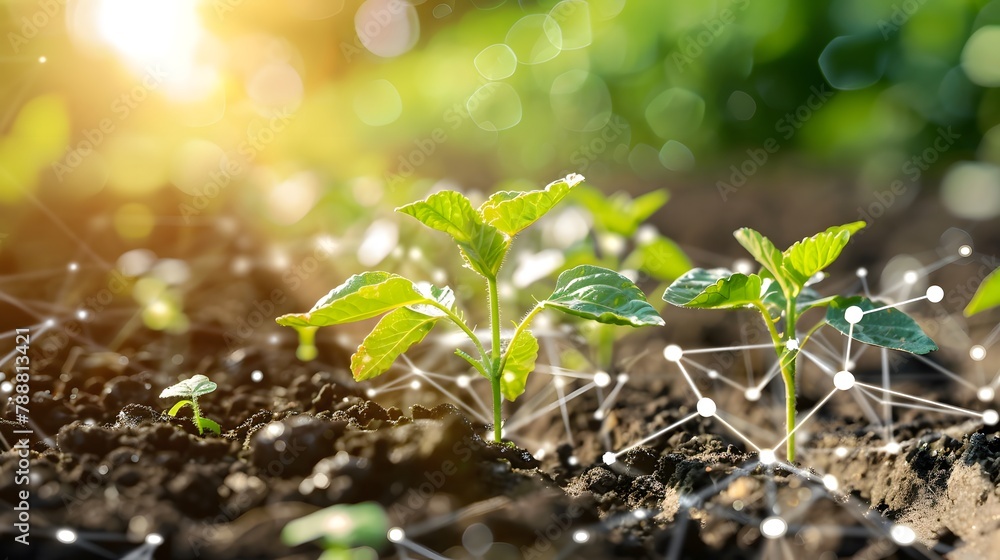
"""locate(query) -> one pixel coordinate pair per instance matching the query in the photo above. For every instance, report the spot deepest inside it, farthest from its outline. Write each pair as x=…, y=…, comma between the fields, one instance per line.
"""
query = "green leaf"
x=987, y=296
x=341, y=525
x=601, y=295
x=519, y=361
x=483, y=246
x=620, y=213
x=444, y=296
x=764, y=252
x=889, y=328
x=362, y=296
x=511, y=211
x=393, y=335
x=195, y=387
x=774, y=300
x=813, y=254
x=660, y=258
x=178, y=406
x=717, y=288
x=210, y=425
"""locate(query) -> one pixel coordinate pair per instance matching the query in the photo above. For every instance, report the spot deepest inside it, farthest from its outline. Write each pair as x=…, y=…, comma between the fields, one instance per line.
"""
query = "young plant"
x=484, y=235
x=344, y=531
x=781, y=293
x=987, y=296
x=189, y=390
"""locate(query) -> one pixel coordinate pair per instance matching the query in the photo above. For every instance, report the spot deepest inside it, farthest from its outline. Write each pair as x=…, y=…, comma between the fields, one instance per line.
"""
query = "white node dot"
x=50, y=322
x=830, y=482
x=991, y=417
x=752, y=394
x=862, y=272
x=395, y=535
x=414, y=384
x=274, y=339
x=42, y=60
x=706, y=407
x=257, y=376
x=599, y=415
x=911, y=277
x=985, y=394
x=371, y=393
x=673, y=353
x=854, y=314
x=840, y=452
x=67, y=536
x=640, y=514
x=602, y=379
x=892, y=448
x=712, y=374
x=81, y=314
x=767, y=457
x=935, y=294
x=902, y=535
x=792, y=344
x=462, y=381
x=743, y=266
x=609, y=458
x=73, y=267
x=581, y=536
x=965, y=250
x=558, y=382
x=843, y=380
x=154, y=539
x=773, y=527
x=622, y=378
x=977, y=353
x=573, y=461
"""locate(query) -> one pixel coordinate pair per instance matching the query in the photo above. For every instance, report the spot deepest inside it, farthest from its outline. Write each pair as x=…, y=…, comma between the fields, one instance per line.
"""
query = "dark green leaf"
x=602, y=295
x=889, y=328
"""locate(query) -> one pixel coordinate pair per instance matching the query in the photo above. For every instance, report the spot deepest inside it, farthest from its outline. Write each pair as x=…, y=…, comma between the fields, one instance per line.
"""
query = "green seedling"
x=410, y=309
x=189, y=390
x=987, y=296
x=781, y=293
x=344, y=531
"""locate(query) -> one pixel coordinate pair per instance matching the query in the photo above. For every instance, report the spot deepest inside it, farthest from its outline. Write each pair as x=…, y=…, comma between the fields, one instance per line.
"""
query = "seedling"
x=483, y=235
x=189, y=390
x=781, y=293
x=987, y=296
x=344, y=531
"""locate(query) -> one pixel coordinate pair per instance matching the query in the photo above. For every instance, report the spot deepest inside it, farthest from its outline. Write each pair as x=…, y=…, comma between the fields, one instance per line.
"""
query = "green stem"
x=494, y=317
x=787, y=359
x=497, y=409
x=496, y=369
x=196, y=410
x=465, y=328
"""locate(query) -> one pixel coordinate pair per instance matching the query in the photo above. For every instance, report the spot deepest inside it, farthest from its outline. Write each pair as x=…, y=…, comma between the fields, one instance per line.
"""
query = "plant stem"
x=787, y=359
x=497, y=409
x=495, y=362
x=494, y=318
x=197, y=414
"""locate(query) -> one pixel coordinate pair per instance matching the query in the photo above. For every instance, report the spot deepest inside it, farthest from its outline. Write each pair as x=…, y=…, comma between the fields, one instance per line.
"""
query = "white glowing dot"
x=73, y=267
x=850, y=365
x=767, y=457
x=985, y=394
x=602, y=379
x=773, y=527
x=991, y=417
x=371, y=393
x=622, y=378
x=673, y=353
x=892, y=448
x=81, y=314
x=706, y=407
x=581, y=536
x=911, y=277
x=965, y=250
x=743, y=266
x=462, y=381
x=902, y=535
x=50, y=322
x=610, y=458
x=843, y=380
x=42, y=60
x=540, y=454
x=862, y=272
x=66, y=536
x=935, y=294
x=573, y=461
x=977, y=353
x=415, y=254
x=275, y=429
x=154, y=539
x=853, y=314
x=713, y=374
x=274, y=339
x=414, y=384
x=599, y=415
x=752, y=394
x=6, y=387
x=257, y=376
x=830, y=482
x=840, y=452
x=395, y=535
x=792, y=344
x=558, y=382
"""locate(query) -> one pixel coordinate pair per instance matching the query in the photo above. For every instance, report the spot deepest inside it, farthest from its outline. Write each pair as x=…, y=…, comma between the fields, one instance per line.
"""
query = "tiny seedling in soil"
x=188, y=391
x=484, y=237
x=782, y=294
x=344, y=531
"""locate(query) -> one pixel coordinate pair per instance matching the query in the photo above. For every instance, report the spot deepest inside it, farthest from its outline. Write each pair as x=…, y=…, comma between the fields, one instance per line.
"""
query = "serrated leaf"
x=520, y=361
x=716, y=288
x=620, y=213
x=602, y=295
x=660, y=258
x=766, y=254
x=511, y=211
x=194, y=387
x=207, y=424
x=483, y=246
x=888, y=328
x=393, y=335
x=987, y=295
x=362, y=296
x=444, y=296
x=813, y=254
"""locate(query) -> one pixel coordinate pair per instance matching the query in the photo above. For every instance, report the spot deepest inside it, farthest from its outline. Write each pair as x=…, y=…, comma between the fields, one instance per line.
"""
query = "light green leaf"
x=601, y=295
x=483, y=246
x=444, y=296
x=620, y=213
x=851, y=228
x=660, y=258
x=340, y=526
x=813, y=254
x=362, y=296
x=808, y=298
x=717, y=288
x=889, y=328
x=519, y=361
x=511, y=211
x=764, y=252
x=393, y=335
x=195, y=387
x=207, y=424
x=178, y=406
x=987, y=296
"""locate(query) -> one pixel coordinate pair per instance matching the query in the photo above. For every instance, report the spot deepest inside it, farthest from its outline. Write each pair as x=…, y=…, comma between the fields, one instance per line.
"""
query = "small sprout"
x=345, y=531
x=189, y=390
